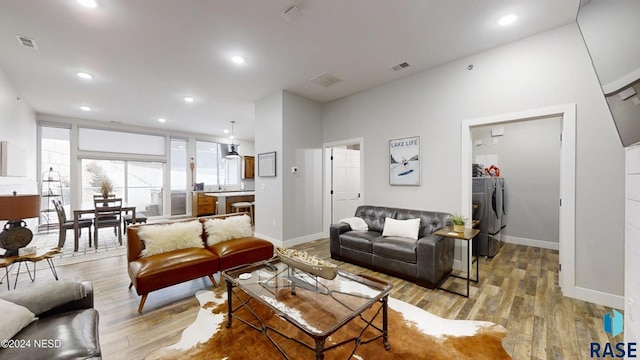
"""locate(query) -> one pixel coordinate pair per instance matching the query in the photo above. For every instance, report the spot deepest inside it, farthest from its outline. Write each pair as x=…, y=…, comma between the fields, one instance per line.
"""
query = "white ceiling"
x=146, y=55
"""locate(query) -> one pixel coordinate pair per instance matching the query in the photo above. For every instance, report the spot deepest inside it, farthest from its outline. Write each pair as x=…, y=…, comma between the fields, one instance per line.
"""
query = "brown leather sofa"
x=163, y=270
x=69, y=330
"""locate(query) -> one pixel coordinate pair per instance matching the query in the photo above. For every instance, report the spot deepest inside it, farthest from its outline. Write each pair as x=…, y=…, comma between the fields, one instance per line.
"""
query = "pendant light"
x=233, y=152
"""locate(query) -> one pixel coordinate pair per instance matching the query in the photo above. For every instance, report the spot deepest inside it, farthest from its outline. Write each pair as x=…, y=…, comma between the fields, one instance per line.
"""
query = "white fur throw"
x=232, y=227
x=163, y=238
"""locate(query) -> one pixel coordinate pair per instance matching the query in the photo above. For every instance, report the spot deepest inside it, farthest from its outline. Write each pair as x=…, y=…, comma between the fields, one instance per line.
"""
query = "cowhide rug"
x=413, y=334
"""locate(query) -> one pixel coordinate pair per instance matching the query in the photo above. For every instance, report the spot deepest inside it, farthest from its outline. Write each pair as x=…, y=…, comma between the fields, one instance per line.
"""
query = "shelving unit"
x=50, y=189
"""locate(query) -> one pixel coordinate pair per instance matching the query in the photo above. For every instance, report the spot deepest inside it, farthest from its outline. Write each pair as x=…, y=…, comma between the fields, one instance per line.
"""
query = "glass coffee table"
x=316, y=306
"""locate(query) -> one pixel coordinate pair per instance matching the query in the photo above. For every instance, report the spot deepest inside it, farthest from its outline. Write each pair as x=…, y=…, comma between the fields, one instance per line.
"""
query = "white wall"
x=549, y=69
x=302, y=148
x=18, y=127
x=269, y=190
x=610, y=30
x=289, y=206
x=529, y=159
x=632, y=249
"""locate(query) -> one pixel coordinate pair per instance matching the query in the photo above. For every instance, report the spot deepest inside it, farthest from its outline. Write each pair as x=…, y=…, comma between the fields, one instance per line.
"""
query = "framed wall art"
x=267, y=164
x=404, y=161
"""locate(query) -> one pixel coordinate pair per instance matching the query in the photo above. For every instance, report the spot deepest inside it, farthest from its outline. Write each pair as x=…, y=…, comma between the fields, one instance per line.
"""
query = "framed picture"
x=267, y=164
x=404, y=161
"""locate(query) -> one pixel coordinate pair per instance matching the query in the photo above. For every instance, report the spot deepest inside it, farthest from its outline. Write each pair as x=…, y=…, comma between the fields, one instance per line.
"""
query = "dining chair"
x=64, y=225
x=107, y=214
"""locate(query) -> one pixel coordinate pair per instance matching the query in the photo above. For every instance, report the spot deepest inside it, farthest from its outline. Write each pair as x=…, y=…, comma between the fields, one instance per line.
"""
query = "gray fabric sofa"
x=426, y=261
x=68, y=330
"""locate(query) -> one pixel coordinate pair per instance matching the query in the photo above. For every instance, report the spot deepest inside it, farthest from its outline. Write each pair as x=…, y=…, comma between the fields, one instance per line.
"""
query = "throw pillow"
x=356, y=223
x=14, y=319
x=404, y=228
x=163, y=238
x=232, y=227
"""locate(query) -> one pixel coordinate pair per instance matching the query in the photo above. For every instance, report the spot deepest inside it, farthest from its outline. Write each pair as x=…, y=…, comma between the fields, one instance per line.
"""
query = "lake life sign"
x=404, y=161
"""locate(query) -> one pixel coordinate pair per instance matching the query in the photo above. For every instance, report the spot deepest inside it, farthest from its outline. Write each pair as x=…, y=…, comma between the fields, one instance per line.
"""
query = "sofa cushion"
x=374, y=216
x=401, y=228
x=70, y=335
x=155, y=272
x=430, y=221
x=232, y=227
x=163, y=238
x=14, y=318
x=359, y=240
x=397, y=248
x=240, y=251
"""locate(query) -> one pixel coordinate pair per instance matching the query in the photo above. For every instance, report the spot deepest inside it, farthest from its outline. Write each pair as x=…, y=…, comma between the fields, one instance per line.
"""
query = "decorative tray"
x=301, y=260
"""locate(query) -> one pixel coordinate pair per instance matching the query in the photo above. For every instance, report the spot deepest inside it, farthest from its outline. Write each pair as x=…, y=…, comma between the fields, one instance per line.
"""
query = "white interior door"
x=345, y=172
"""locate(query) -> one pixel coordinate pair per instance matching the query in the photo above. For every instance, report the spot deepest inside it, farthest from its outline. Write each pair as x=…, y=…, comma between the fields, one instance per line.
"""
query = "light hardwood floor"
x=518, y=289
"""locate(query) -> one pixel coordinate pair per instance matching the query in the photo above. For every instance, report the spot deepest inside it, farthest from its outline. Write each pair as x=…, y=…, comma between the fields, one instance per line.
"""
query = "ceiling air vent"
x=326, y=79
x=401, y=66
x=27, y=42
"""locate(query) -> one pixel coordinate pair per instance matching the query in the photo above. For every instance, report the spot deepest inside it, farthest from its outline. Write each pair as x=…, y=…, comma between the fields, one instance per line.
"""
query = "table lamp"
x=14, y=208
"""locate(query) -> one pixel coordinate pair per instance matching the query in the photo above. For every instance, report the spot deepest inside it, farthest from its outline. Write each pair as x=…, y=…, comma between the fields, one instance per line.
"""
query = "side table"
x=41, y=254
x=467, y=236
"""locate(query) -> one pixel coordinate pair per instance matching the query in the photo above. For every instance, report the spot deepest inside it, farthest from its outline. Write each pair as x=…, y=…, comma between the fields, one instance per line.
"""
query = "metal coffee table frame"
x=233, y=283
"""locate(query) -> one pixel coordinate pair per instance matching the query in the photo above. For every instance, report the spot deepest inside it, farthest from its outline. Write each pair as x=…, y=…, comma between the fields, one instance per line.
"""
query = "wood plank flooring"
x=518, y=289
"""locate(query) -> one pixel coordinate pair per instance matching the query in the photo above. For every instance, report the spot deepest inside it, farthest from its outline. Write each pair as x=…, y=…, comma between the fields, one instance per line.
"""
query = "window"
x=138, y=183
x=179, y=177
x=55, y=153
x=212, y=168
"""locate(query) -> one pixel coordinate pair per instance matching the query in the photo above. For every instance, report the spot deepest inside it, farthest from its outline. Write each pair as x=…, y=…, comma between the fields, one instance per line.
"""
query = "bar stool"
x=243, y=206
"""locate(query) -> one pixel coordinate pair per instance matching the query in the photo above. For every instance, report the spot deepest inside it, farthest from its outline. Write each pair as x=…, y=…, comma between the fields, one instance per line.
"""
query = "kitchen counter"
x=230, y=193
x=226, y=198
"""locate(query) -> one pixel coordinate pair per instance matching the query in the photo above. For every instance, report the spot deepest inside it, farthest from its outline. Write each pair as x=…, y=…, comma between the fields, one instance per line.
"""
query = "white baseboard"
x=596, y=297
x=303, y=239
x=532, y=242
x=274, y=241
x=291, y=242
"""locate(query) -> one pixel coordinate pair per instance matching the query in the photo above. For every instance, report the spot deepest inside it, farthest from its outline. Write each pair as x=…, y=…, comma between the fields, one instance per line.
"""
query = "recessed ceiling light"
x=189, y=99
x=507, y=19
x=231, y=137
x=225, y=131
x=85, y=75
x=237, y=59
x=85, y=108
x=89, y=3
x=162, y=120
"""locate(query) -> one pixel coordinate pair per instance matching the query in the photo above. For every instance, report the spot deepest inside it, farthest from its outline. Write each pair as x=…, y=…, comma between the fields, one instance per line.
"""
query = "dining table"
x=77, y=214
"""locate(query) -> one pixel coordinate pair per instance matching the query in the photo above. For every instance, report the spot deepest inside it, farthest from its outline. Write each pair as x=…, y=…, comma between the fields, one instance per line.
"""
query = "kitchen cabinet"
x=202, y=205
x=248, y=167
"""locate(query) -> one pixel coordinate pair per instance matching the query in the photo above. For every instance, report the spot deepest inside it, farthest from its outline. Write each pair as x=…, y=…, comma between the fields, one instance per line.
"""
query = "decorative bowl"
x=301, y=260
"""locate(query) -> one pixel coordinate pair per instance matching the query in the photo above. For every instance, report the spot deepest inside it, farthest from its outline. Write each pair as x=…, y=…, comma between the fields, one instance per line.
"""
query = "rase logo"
x=613, y=324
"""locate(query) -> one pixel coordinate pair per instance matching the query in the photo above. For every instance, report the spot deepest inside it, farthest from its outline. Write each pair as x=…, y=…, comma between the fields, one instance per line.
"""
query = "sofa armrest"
x=54, y=298
x=434, y=257
x=84, y=303
x=334, y=236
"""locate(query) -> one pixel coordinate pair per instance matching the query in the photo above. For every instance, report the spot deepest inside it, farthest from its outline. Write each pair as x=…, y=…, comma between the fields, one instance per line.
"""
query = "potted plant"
x=458, y=222
x=106, y=188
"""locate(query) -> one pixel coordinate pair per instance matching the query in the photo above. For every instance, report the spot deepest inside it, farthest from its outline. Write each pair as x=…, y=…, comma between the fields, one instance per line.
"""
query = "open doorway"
x=343, y=186
x=567, y=182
